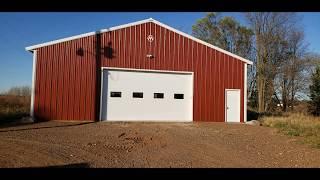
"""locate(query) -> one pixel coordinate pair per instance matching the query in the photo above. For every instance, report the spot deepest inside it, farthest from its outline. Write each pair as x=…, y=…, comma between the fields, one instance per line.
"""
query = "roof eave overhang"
x=33, y=47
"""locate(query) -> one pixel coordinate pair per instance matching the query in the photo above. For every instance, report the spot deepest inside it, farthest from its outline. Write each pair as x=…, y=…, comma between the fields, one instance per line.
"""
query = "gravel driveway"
x=66, y=144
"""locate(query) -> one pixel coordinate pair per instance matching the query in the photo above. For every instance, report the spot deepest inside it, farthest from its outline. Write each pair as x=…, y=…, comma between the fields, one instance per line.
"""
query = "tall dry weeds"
x=13, y=107
x=297, y=124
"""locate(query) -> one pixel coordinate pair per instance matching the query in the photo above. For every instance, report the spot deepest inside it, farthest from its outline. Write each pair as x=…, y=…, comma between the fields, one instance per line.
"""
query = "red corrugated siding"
x=64, y=88
x=67, y=85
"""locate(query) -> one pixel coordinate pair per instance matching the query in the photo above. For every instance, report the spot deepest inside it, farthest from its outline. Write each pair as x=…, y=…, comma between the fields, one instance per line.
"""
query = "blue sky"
x=19, y=30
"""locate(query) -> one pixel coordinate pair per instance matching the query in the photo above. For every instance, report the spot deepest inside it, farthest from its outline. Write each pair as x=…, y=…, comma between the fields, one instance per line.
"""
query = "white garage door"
x=146, y=96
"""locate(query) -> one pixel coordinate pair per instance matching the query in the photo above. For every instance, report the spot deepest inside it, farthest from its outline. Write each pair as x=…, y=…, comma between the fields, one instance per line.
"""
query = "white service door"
x=233, y=105
x=147, y=107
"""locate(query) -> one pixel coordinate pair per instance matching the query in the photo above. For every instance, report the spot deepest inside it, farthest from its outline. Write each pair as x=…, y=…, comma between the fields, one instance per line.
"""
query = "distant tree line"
x=282, y=65
x=18, y=91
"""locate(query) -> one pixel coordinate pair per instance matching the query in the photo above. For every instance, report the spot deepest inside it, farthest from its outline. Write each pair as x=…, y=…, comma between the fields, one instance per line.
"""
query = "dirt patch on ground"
x=62, y=144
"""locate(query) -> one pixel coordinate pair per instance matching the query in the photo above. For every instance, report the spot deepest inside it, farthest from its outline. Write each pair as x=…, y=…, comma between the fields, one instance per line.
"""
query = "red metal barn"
x=144, y=71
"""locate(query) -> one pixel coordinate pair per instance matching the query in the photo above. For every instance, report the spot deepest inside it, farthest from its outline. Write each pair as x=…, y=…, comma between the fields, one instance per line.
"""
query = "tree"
x=270, y=30
x=227, y=33
x=293, y=69
x=274, y=42
x=315, y=92
x=224, y=32
x=207, y=29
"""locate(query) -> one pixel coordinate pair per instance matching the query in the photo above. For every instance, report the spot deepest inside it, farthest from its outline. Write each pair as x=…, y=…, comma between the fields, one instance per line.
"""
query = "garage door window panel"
x=178, y=96
x=115, y=94
x=158, y=95
x=137, y=95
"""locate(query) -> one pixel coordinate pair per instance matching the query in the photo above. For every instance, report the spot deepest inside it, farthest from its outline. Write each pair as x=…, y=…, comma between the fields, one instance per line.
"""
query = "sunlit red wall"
x=68, y=85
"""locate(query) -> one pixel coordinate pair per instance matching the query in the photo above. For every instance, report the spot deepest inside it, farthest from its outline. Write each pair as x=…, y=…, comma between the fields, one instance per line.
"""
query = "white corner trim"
x=34, y=66
x=245, y=97
x=29, y=48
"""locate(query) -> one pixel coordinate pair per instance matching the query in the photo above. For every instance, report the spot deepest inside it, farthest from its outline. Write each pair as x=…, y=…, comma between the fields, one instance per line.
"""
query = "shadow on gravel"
x=44, y=127
x=15, y=122
x=76, y=165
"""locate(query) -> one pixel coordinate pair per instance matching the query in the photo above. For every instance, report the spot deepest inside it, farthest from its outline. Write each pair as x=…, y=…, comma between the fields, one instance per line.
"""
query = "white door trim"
x=148, y=70
x=142, y=70
x=225, y=102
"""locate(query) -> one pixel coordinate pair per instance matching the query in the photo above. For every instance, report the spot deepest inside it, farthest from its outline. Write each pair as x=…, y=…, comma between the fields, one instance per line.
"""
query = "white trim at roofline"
x=30, y=48
x=202, y=42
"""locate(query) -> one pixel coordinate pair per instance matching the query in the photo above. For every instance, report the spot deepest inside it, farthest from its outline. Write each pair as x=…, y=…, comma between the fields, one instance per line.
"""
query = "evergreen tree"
x=315, y=92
